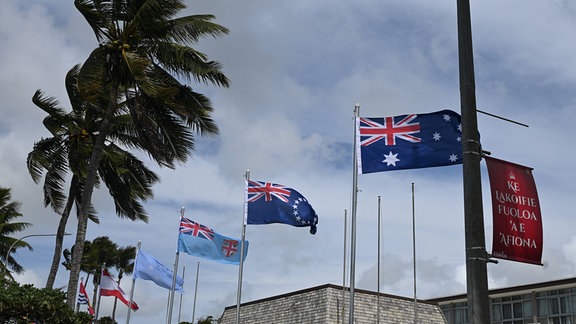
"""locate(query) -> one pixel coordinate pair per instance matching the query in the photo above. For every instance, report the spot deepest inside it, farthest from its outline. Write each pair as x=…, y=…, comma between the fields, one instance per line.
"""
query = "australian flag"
x=273, y=203
x=409, y=141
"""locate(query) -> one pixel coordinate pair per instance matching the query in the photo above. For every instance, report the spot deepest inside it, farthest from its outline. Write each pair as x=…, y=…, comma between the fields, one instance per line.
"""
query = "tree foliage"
x=10, y=210
x=144, y=52
x=128, y=180
x=22, y=304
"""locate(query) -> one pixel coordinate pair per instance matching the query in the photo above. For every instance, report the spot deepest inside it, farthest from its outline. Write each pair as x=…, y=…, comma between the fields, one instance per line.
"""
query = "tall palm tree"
x=69, y=148
x=8, y=212
x=143, y=52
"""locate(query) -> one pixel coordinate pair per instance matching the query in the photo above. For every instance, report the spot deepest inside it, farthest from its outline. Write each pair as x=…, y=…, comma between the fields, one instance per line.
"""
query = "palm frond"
x=96, y=14
x=190, y=29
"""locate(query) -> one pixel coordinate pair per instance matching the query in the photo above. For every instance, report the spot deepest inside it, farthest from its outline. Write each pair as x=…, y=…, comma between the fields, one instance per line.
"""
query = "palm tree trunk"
x=60, y=234
x=86, y=199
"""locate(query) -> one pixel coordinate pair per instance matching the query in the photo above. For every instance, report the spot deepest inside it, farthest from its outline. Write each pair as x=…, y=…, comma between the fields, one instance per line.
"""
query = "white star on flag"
x=391, y=159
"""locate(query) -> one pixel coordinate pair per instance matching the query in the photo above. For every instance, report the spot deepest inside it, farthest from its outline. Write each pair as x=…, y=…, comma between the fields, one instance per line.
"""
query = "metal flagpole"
x=98, y=294
x=195, y=291
x=353, y=227
x=174, y=275
x=77, y=303
x=344, y=266
x=476, y=255
x=240, y=268
x=180, y=306
x=378, y=260
x=138, y=247
x=414, y=256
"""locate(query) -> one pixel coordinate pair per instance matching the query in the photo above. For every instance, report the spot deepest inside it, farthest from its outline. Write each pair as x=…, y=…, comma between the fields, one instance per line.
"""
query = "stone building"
x=330, y=304
x=550, y=302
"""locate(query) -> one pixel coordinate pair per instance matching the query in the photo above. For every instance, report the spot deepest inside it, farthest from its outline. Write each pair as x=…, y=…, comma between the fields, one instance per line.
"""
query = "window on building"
x=512, y=310
x=556, y=306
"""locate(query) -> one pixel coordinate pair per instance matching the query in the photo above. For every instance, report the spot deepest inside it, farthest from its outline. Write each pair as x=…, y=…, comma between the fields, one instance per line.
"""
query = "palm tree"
x=98, y=253
x=69, y=148
x=8, y=212
x=142, y=54
x=124, y=263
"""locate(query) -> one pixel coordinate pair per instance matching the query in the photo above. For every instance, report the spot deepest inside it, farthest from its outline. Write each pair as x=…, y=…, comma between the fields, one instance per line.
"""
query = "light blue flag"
x=201, y=241
x=148, y=268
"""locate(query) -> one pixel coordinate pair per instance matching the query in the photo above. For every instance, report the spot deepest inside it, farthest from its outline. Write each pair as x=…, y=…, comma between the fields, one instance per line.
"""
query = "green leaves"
x=23, y=304
x=10, y=210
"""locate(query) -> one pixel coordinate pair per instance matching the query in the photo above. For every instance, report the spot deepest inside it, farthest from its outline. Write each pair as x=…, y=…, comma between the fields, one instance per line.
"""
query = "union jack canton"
x=190, y=227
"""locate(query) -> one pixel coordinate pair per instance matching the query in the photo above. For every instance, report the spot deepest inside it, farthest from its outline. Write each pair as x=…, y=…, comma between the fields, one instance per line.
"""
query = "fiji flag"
x=408, y=141
x=273, y=203
x=201, y=241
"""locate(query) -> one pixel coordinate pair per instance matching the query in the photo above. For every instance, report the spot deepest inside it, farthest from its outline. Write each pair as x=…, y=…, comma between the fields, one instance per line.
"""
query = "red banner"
x=517, y=221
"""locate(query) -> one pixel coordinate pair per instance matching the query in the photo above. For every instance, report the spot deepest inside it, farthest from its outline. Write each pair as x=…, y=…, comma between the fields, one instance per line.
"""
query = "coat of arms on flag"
x=229, y=247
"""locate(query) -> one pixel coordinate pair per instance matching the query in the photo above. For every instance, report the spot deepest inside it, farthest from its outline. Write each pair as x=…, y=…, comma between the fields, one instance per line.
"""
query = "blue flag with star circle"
x=273, y=203
x=408, y=141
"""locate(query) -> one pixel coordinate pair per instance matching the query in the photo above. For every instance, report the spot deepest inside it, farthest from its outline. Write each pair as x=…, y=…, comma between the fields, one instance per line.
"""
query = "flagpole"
x=98, y=294
x=414, y=256
x=174, y=275
x=195, y=291
x=180, y=306
x=77, y=303
x=378, y=260
x=344, y=266
x=138, y=247
x=240, y=268
x=353, y=227
x=172, y=289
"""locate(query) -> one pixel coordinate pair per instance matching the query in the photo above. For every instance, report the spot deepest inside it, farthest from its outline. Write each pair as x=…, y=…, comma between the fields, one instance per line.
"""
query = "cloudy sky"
x=298, y=68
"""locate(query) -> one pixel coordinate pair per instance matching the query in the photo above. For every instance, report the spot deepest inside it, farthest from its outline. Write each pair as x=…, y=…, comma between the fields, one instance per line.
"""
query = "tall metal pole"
x=353, y=226
x=476, y=255
x=195, y=291
x=241, y=266
x=414, y=256
x=181, y=294
x=344, y=265
x=174, y=277
x=138, y=247
x=378, y=260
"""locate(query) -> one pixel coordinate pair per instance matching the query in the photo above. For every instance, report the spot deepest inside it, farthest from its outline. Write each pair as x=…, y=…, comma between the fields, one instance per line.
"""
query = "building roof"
x=515, y=290
x=330, y=304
